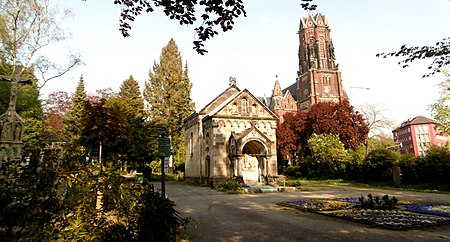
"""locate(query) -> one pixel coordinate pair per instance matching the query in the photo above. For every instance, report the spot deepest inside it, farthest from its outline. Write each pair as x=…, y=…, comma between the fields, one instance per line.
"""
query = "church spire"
x=277, y=89
x=318, y=78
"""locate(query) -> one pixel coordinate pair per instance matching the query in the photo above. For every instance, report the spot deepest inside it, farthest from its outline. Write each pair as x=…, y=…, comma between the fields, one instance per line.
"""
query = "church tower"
x=318, y=77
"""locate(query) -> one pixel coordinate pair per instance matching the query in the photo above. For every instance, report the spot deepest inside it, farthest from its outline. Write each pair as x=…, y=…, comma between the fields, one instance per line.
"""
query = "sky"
x=262, y=46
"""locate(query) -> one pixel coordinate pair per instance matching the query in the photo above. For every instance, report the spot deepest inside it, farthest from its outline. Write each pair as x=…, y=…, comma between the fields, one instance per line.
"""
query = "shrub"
x=407, y=164
x=378, y=203
x=378, y=164
x=230, y=186
x=292, y=171
x=435, y=166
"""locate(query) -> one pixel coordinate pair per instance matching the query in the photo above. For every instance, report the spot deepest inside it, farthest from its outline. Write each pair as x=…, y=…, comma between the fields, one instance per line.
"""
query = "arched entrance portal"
x=254, y=165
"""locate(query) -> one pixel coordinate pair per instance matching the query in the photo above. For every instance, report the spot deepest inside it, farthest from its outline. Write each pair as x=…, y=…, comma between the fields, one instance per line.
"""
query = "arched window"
x=234, y=108
x=244, y=105
x=253, y=108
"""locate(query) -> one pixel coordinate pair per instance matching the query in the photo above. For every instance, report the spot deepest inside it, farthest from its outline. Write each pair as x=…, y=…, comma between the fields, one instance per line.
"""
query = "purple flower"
x=427, y=209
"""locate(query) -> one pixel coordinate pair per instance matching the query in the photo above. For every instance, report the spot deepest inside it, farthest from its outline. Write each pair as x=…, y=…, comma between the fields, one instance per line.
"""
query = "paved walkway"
x=217, y=216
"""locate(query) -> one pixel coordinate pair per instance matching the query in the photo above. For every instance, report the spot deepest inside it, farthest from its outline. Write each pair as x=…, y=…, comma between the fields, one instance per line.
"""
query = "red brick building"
x=318, y=78
x=417, y=135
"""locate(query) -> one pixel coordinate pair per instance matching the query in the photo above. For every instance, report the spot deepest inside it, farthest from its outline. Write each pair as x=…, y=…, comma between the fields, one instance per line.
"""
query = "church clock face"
x=327, y=89
x=306, y=92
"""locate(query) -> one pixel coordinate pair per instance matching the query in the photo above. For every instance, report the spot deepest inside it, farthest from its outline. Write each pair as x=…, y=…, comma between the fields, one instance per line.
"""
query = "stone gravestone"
x=397, y=175
x=11, y=123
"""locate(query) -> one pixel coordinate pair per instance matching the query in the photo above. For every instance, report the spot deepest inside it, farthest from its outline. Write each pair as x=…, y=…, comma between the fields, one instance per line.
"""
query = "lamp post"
x=350, y=90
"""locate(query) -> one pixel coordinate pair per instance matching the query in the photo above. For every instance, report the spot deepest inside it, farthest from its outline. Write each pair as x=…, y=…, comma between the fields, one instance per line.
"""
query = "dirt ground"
x=217, y=216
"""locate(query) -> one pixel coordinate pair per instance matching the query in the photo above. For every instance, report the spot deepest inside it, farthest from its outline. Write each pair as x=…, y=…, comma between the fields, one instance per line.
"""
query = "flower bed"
x=404, y=216
x=434, y=209
x=391, y=219
x=317, y=205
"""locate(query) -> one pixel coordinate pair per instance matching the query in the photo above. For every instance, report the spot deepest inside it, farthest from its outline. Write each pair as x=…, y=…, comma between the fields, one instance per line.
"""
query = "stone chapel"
x=232, y=137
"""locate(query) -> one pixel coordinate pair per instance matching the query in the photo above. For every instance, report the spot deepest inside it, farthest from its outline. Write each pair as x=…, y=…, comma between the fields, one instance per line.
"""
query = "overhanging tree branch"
x=440, y=53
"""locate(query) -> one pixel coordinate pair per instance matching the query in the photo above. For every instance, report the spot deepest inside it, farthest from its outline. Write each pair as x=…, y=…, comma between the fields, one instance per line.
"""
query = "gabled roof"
x=416, y=121
x=293, y=90
x=232, y=97
x=314, y=19
x=231, y=89
x=243, y=134
x=265, y=100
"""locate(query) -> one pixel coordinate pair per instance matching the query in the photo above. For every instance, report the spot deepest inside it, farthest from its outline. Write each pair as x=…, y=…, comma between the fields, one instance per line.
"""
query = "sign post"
x=164, y=153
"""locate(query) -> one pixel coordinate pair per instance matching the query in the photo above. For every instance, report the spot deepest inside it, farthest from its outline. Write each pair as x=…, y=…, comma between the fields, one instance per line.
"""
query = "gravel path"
x=217, y=216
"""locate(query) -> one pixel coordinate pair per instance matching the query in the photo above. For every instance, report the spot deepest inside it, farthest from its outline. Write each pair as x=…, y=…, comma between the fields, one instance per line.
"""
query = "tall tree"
x=441, y=109
x=104, y=128
x=55, y=107
x=168, y=93
x=73, y=118
x=131, y=102
x=323, y=118
x=287, y=139
x=374, y=117
x=337, y=118
x=130, y=92
x=328, y=153
x=26, y=28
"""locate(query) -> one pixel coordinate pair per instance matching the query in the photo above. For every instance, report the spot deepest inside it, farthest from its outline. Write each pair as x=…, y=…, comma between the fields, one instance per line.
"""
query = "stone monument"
x=11, y=123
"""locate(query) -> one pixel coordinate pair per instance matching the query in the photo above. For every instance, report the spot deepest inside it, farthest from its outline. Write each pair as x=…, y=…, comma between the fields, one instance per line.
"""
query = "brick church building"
x=318, y=77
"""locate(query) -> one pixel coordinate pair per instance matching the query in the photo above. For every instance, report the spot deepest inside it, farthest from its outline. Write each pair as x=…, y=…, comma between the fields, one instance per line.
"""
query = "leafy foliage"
x=61, y=206
x=168, y=93
x=441, y=109
x=105, y=126
x=337, y=118
x=379, y=163
x=286, y=136
x=434, y=167
x=73, y=117
x=55, y=107
x=230, y=186
x=26, y=28
x=323, y=118
x=440, y=53
x=215, y=13
x=329, y=153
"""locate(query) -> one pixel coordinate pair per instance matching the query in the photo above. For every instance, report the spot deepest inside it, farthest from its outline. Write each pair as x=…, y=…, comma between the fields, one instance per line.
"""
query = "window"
x=253, y=108
x=207, y=139
x=244, y=105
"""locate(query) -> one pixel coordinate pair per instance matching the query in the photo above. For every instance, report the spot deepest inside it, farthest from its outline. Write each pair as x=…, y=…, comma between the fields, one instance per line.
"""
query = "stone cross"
x=11, y=124
x=15, y=80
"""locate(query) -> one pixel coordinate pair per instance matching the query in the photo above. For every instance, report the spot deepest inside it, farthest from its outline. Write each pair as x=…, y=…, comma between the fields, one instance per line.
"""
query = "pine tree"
x=132, y=104
x=73, y=118
x=168, y=93
x=131, y=94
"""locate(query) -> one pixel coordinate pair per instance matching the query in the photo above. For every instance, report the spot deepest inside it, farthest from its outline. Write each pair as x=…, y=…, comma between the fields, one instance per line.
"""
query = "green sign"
x=164, y=147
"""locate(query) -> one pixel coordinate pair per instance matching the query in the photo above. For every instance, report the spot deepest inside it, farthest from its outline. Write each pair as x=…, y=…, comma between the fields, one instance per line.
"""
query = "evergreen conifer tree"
x=168, y=93
x=73, y=118
x=132, y=104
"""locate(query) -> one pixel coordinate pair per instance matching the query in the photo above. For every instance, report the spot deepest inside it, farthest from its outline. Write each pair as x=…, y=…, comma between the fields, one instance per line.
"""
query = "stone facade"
x=318, y=77
x=231, y=137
